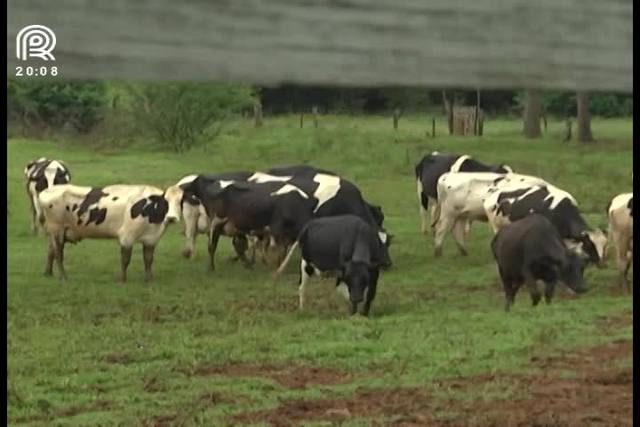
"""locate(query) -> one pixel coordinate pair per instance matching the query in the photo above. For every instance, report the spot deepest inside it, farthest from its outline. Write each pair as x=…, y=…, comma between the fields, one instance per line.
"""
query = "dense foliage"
x=181, y=115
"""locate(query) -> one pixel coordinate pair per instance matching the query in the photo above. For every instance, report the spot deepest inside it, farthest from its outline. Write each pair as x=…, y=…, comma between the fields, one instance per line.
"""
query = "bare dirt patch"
x=98, y=406
x=117, y=359
x=296, y=377
x=186, y=413
x=584, y=387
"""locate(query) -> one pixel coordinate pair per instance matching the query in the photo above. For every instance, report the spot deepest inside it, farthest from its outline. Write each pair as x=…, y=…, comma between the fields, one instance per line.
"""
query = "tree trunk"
x=532, y=114
x=447, y=103
x=584, y=118
x=257, y=114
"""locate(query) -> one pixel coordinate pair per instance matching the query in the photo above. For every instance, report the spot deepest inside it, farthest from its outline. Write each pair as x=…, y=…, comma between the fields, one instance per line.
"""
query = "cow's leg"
x=32, y=212
x=190, y=232
x=306, y=271
x=58, y=241
x=214, y=237
x=51, y=255
x=147, y=255
x=459, y=235
x=510, y=289
x=549, y=289
x=423, y=205
x=443, y=225
x=622, y=260
x=240, y=245
x=125, y=259
x=371, y=292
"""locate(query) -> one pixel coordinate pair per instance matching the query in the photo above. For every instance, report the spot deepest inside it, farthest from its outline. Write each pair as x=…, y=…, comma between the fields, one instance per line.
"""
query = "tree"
x=584, y=118
x=532, y=114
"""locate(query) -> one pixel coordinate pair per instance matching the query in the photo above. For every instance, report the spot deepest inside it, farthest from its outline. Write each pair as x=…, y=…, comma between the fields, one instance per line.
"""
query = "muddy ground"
x=587, y=387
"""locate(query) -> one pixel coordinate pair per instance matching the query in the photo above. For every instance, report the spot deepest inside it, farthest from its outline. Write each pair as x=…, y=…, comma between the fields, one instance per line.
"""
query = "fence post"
x=433, y=127
x=257, y=114
x=314, y=110
x=301, y=119
x=396, y=118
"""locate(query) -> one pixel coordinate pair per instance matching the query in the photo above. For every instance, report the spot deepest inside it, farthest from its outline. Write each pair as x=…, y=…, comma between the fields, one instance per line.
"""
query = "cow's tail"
x=286, y=260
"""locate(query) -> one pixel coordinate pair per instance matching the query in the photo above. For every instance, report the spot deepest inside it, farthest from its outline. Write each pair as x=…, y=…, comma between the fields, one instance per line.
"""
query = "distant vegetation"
x=179, y=116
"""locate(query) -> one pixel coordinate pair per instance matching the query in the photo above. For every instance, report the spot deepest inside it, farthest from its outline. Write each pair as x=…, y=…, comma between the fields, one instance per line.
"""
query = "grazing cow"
x=432, y=166
x=620, y=213
x=41, y=174
x=344, y=245
x=237, y=207
x=461, y=198
x=129, y=213
x=531, y=249
x=517, y=200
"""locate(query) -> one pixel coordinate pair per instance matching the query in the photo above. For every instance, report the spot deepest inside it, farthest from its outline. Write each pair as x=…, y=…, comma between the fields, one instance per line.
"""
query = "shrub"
x=56, y=104
x=182, y=115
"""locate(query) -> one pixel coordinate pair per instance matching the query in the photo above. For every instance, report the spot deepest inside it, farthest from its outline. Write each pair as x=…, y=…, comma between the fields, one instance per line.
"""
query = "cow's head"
x=572, y=273
x=356, y=275
x=594, y=245
x=376, y=213
x=173, y=195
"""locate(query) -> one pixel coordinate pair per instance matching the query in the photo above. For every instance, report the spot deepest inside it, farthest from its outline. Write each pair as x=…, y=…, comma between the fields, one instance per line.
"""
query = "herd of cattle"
x=540, y=234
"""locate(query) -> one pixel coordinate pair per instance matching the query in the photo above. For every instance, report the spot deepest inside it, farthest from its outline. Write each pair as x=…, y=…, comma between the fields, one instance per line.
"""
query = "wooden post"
x=544, y=121
x=567, y=135
x=433, y=127
x=480, y=123
x=396, y=118
x=301, y=119
x=475, y=119
x=448, y=110
x=257, y=114
x=314, y=110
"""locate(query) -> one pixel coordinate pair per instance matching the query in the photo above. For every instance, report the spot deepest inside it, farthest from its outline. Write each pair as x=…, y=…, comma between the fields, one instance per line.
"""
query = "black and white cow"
x=41, y=174
x=432, y=166
x=531, y=249
x=461, y=197
x=346, y=246
x=197, y=221
x=515, y=201
x=301, y=173
x=238, y=207
x=195, y=216
x=128, y=213
x=620, y=213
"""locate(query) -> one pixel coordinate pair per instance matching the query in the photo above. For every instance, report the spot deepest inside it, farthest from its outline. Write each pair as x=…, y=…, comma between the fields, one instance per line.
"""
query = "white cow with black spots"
x=129, y=213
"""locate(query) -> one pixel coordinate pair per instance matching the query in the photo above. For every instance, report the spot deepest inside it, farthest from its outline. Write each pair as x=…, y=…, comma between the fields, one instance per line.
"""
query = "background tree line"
x=179, y=115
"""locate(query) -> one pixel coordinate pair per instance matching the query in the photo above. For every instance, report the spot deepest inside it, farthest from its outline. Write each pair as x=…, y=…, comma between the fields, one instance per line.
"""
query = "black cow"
x=531, y=249
x=429, y=169
x=344, y=245
x=236, y=207
x=517, y=201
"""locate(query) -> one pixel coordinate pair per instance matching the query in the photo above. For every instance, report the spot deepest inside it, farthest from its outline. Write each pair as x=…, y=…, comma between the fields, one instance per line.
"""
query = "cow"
x=245, y=207
x=195, y=216
x=531, y=249
x=344, y=245
x=41, y=174
x=620, y=214
x=461, y=198
x=129, y=213
x=517, y=200
x=302, y=172
x=432, y=166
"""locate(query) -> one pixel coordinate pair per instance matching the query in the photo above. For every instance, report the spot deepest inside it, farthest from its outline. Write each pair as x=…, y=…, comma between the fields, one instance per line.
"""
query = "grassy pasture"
x=94, y=352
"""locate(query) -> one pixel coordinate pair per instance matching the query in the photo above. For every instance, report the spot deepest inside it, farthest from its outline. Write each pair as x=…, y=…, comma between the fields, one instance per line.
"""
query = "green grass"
x=432, y=318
